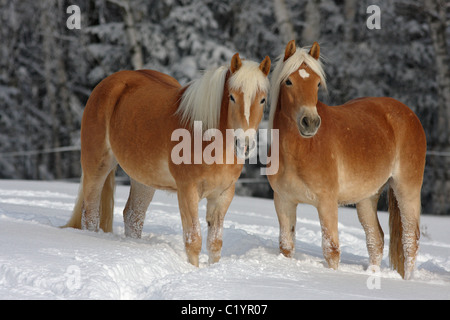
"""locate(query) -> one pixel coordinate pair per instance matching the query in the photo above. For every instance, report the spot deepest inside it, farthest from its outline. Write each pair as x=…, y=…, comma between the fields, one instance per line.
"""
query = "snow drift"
x=38, y=260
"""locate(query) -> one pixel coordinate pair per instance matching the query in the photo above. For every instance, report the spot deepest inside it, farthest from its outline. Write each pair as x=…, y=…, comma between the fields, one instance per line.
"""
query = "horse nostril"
x=318, y=121
x=305, y=122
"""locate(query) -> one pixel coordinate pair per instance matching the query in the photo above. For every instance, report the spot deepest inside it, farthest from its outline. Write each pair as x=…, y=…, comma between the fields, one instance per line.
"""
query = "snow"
x=38, y=260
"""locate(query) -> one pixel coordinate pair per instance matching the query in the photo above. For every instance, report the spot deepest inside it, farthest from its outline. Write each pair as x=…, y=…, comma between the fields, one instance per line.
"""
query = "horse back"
x=160, y=77
x=383, y=114
x=127, y=97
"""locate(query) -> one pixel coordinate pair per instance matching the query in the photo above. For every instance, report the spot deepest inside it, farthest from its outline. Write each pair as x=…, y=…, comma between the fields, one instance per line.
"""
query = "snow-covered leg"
x=287, y=217
x=136, y=207
x=367, y=214
x=92, y=194
x=410, y=240
x=90, y=216
x=328, y=215
x=409, y=205
x=215, y=213
x=188, y=203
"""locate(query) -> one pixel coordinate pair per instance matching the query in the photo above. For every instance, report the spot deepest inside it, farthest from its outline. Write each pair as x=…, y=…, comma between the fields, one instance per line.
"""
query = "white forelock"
x=202, y=99
x=249, y=79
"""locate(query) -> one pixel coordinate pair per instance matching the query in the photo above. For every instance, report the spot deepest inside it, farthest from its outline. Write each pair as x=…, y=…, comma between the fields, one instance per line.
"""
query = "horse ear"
x=265, y=66
x=315, y=51
x=236, y=63
x=290, y=50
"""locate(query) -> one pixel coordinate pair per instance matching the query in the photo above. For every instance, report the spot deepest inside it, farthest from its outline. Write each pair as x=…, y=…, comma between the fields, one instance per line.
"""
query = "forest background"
x=48, y=70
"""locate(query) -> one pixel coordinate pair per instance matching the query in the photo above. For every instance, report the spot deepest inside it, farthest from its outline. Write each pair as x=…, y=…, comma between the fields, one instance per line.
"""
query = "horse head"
x=299, y=76
x=248, y=87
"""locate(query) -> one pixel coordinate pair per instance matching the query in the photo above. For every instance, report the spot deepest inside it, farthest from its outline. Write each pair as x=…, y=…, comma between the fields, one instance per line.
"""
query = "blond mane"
x=202, y=99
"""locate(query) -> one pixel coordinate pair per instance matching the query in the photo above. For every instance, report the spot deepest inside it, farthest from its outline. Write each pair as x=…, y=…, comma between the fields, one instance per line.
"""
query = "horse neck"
x=288, y=130
x=282, y=122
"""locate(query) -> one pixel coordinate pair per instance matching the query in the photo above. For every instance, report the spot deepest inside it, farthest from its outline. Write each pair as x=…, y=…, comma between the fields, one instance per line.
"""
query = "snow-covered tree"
x=48, y=71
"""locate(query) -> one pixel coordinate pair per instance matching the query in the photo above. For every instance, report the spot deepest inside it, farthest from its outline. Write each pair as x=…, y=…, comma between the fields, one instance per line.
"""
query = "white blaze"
x=303, y=73
x=247, y=102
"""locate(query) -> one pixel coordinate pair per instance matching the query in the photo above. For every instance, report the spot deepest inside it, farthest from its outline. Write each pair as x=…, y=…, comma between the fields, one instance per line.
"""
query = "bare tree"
x=137, y=59
x=49, y=49
x=311, y=32
x=284, y=21
x=436, y=16
x=56, y=101
x=350, y=8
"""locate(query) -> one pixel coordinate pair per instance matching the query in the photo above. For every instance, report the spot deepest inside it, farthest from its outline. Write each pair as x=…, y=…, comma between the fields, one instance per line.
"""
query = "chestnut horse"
x=342, y=155
x=129, y=120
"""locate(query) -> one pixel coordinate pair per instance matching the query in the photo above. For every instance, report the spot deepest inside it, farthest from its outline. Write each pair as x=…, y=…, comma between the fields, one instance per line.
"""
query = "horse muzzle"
x=244, y=146
x=308, y=123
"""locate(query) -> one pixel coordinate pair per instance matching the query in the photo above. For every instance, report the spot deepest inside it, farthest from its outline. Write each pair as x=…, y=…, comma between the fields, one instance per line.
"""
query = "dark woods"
x=48, y=70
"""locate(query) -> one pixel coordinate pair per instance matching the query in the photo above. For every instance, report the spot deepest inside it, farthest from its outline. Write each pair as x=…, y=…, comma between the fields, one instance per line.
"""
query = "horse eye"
x=318, y=85
x=288, y=82
x=232, y=98
x=263, y=100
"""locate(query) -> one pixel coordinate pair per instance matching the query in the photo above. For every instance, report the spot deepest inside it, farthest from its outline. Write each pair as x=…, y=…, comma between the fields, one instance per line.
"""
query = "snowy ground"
x=38, y=260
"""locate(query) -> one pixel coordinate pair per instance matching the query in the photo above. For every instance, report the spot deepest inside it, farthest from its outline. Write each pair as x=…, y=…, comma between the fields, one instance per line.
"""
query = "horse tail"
x=106, y=205
x=107, y=202
x=75, y=220
x=396, y=255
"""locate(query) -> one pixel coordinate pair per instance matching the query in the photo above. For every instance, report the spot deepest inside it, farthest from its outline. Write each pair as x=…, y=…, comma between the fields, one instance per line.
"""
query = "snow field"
x=38, y=260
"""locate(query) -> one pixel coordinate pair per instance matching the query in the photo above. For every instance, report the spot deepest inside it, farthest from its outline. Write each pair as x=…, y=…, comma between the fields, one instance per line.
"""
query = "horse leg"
x=92, y=188
x=188, y=203
x=367, y=214
x=136, y=207
x=328, y=216
x=287, y=217
x=94, y=178
x=216, y=209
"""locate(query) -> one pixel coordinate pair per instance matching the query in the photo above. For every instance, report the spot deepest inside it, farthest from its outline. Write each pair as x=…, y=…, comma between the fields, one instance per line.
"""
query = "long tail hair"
x=106, y=205
x=396, y=253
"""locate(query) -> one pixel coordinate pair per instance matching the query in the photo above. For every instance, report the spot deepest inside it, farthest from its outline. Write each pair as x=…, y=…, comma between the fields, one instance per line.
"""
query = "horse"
x=347, y=154
x=130, y=119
